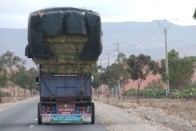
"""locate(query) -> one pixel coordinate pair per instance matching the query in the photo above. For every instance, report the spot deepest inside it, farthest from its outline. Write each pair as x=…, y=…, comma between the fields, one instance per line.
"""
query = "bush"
x=153, y=92
x=4, y=94
x=189, y=92
x=147, y=93
x=131, y=92
x=175, y=94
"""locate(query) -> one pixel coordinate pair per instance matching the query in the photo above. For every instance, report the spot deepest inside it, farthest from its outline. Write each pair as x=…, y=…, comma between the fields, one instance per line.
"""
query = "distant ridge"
x=134, y=38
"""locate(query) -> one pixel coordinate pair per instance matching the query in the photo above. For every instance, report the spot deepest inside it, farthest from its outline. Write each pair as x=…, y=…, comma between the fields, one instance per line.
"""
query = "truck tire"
x=93, y=113
x=39, y=121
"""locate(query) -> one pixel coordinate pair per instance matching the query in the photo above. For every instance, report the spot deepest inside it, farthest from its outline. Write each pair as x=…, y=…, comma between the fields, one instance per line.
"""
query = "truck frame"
x=65, y=99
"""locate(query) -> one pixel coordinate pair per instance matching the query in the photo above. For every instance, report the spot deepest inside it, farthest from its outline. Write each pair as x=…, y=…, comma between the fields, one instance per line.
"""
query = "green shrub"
x=148, y=93
x=131, y=92
x=182, y=93
x=190, y=92
x=4, y=94
x=175, y=94
x=153, y=92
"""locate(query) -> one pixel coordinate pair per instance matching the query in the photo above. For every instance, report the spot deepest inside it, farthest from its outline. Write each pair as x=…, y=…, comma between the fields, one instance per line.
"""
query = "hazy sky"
x=14, y=13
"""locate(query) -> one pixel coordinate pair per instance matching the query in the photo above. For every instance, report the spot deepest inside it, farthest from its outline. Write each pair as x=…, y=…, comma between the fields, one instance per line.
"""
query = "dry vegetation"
x=172, y=113
x=180, y=108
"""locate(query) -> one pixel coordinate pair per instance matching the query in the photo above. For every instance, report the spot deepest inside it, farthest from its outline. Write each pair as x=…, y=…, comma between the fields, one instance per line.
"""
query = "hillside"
x=134, y=38
x=148, y=38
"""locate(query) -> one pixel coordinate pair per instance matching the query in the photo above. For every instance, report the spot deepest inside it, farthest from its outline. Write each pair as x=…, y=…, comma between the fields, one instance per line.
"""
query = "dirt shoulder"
x=158, y=114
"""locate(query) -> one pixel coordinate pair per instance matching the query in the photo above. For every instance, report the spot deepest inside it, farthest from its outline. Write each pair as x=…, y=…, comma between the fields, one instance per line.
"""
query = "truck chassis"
x=62, y=111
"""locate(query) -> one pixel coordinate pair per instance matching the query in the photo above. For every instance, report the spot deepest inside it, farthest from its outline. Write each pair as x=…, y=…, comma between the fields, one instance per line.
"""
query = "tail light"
x=82, y=108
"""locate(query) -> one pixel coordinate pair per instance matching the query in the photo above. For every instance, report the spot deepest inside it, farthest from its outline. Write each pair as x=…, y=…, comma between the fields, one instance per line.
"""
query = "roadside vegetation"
x=187, y=94
x=14, y=75
x=137, y=68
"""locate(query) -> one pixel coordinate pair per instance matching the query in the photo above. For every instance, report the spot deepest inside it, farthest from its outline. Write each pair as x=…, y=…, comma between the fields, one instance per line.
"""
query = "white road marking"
x=31, y=126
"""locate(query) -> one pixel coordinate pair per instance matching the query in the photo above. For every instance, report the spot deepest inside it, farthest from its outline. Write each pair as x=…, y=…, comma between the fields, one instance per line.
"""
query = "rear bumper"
x=66, y=118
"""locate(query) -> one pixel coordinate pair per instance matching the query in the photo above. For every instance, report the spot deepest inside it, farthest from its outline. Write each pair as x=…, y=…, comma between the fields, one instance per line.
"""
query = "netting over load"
x=64, y=40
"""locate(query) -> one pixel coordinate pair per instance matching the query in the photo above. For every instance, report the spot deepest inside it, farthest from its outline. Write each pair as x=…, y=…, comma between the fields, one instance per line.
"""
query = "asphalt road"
x=23, y=117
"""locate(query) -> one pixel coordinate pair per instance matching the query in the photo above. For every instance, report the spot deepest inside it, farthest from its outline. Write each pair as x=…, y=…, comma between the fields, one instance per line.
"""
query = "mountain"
x=133, y=38
x=147, y=38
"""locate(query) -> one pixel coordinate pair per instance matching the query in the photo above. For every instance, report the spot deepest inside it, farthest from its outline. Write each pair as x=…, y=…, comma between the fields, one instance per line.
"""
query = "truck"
x=65, y=44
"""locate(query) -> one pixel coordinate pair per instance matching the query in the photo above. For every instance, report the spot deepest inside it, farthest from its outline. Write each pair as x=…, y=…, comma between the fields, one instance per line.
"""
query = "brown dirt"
x=175, y=114
x=10, y=99
x=180, y=108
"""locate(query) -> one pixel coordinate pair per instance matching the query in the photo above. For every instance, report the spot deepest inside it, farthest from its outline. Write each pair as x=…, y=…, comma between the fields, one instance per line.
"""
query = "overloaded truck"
x=65, y=44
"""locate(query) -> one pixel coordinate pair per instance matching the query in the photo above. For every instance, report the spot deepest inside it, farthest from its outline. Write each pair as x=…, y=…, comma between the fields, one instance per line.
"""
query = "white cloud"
x=110, y=10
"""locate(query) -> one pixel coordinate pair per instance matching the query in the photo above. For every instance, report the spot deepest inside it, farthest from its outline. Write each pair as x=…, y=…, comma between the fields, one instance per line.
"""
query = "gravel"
x=119, y=119
x=118, y=115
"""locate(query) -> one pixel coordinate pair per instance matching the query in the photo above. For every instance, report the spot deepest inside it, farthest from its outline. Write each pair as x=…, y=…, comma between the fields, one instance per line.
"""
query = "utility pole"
x=166, y=63
x=118, y=51
x=166, y=56
x=118, y=63
x=108, y=59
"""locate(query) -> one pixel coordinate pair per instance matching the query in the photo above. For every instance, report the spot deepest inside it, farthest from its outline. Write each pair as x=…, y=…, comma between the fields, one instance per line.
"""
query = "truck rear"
x=65, y=44
x=65, y=99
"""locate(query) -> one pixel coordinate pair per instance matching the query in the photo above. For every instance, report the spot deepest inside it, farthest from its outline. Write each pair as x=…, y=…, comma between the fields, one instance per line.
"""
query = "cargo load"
x=64, y=40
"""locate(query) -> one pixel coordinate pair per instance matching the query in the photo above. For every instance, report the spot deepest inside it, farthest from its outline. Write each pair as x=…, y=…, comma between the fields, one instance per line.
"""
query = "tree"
x=33, y=72
x=139, y=68
x=122, y=59
x=181, y=70
x=96, y=82
x=124, y=75
x=26, y=79
x=117, y=72
x=113, y=74
x=20, y=78
x=11, y=63
x=3, y=77
x=106, y=78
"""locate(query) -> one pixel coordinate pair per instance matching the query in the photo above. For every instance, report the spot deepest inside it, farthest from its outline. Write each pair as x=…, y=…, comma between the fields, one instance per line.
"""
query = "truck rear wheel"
x=93, y=113
x=39, y=121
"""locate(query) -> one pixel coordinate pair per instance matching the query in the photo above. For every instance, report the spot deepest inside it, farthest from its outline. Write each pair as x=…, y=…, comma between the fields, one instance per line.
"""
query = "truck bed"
x=52, y=85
